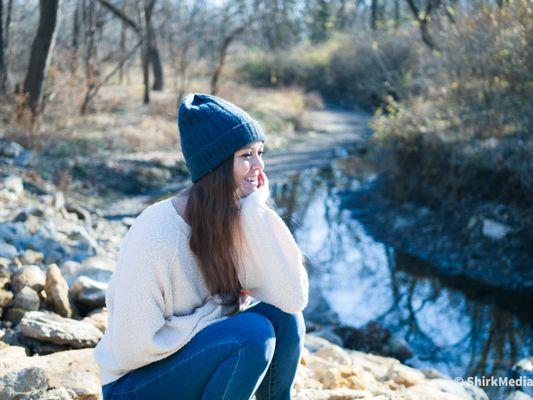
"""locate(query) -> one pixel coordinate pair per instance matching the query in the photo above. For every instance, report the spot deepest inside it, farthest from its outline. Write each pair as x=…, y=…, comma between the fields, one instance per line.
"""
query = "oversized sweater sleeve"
x=139, y=332
x=273, y=269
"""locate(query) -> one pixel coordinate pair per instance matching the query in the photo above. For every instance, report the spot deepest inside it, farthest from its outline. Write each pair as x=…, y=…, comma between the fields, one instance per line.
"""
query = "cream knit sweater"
x=157, y=299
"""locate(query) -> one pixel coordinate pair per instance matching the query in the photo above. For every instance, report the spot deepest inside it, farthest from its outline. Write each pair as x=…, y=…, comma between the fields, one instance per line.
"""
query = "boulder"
x=30, y=275
x=56, y=289
x=27, y=299
x=50, y=327
x=88, y=293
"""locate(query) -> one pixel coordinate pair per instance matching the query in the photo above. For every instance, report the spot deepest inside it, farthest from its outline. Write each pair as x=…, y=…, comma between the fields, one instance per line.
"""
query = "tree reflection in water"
x=454, y=331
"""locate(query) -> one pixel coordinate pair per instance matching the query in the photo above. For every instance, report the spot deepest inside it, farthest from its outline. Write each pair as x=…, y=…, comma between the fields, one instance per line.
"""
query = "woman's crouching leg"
x=225, y=360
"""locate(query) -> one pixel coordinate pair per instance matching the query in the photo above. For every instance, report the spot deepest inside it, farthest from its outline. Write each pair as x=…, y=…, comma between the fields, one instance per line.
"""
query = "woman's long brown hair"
x=215, y=231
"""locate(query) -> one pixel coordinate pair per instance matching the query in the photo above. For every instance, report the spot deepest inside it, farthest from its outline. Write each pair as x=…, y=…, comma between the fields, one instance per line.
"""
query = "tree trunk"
x=146, y=73
x=152, y=52
x=122, y=41
x=76, y=29
x=3, y=70
x=8, y=53
x=423, y=21
x=374, y=15
x=154, y=59
x=41, y=51
x=397, y=13
x=90, y=50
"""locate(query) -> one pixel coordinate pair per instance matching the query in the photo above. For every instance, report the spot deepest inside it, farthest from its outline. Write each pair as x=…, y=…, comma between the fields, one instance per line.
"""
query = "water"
x=451, y=328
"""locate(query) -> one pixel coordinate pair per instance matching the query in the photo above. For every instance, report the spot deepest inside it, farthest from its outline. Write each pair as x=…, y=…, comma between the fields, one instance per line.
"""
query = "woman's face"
x=247, y=163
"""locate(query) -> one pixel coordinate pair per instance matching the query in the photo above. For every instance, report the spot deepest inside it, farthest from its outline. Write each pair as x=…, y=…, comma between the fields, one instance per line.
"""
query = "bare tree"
x=3, y=70
x=40, y=56
x=241, y=18
x=423, y=19
x=149, y=50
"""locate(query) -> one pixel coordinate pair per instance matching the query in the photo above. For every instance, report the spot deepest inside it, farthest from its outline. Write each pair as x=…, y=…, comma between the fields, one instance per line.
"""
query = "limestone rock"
x=31, y=257
x=97, y=318
x=26, y=381
x=88, y=293
x=5, y=297
x=27, y=299
x=73, y=372
x=56, y=289
x=5, y=274
x=30, y=275
x=50, y=327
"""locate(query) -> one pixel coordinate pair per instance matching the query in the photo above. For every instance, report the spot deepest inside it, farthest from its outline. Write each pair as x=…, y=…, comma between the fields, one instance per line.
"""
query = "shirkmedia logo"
x=496, y=381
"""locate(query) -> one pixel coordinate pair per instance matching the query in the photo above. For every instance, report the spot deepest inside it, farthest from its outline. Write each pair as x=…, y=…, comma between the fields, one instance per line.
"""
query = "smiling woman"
x=247, y=168
x=207, y=296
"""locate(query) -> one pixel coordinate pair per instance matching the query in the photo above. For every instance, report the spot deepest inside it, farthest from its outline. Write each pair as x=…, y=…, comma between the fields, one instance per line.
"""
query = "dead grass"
x=118, y=122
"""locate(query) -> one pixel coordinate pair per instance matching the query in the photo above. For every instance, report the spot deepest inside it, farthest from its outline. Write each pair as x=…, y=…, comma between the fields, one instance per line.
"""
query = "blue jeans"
x=255, y=351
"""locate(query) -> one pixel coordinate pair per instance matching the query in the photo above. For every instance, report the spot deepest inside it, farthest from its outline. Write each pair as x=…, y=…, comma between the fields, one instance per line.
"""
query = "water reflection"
x=361, y=279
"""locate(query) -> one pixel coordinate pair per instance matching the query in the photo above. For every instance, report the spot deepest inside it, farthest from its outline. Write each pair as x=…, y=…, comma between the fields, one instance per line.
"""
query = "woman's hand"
x=262, y=180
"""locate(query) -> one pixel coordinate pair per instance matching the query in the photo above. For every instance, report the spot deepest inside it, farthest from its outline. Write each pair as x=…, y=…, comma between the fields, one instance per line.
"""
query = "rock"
x=56, y=289
x=88, y=293
x=71, y=270
x=59, y=200
x=80, y=212
x=8, y=250
x=5, y=274
x=78, y=235
x=99, y=263
x=5, y=297
x=335, y=354
x=21, y=217
x=446, y=389
x=27, y=299
x=328, y=334
x=495, y=230
x=13, y=153
x=336, y=394
x=74, y=371
x=25, y=381
x=53, y=394
x=11, y=356
x=13, y=184
x=14, y=315
x=50, y=327
x=31, y=276
x=313, y=342
x=398, y=348
x=97, y=318
x=31, y=257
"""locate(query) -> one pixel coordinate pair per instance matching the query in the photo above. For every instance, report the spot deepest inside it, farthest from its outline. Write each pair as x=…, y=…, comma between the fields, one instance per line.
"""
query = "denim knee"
x=292, y=325
x=261, y=338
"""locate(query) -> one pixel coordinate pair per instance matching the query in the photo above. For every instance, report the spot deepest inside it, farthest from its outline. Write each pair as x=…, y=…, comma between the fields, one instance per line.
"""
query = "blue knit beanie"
x=211, y=130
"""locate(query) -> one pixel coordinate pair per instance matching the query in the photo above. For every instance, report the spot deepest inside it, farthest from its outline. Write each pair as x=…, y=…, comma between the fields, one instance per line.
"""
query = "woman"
x=181, y=323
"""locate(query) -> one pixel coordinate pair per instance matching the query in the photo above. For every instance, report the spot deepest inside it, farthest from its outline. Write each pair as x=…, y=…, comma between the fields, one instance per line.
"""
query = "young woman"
x=207, y=295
